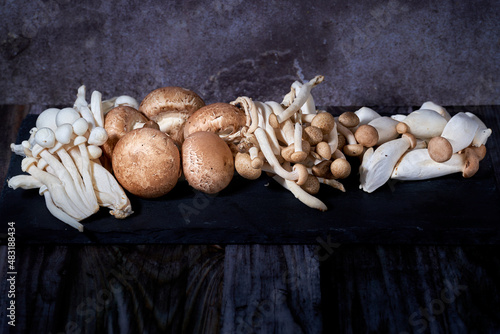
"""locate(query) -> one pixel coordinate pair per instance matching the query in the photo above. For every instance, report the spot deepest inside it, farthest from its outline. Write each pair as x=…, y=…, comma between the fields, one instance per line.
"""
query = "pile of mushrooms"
x=62, y=160
x=426, y=143
x=292, y=141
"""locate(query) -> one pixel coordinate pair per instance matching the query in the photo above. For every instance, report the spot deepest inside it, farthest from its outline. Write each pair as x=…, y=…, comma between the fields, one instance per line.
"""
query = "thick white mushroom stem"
x=299, y=173
x=482, y=132
x=418, y=165
x=458, y=134
x=298, y=102
x=82, y=107
x=377, y=165
x=301, y=194
x=57, y=212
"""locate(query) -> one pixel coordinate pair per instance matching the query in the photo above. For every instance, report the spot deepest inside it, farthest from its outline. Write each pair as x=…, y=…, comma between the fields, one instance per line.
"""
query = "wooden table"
x=323, y=287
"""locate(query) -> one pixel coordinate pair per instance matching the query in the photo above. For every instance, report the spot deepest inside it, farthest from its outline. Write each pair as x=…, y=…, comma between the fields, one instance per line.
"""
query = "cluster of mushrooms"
x=83, y=157
x=62, y=160
x=427, y=143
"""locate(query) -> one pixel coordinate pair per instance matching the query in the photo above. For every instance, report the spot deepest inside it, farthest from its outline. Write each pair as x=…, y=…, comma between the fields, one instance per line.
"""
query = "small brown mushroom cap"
x=312, y=134
x=146, y=162
x=325, y=121
x=311, y=185
x=341, y=142
x=353, y=150
x=349, y=119
x=340, y=168
x=221, y=118
x=170, y=107
x=118, y=122
x=324, y=150
x=440, y=149
x=243, y=165
x=471, y=165
x=207, y=162
x=366, y=135
x=322, y=169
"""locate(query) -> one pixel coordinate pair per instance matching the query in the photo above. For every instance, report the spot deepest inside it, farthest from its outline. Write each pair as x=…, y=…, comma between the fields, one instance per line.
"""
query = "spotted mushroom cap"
x=221, y=118
x=118, y=122
x=146, y=162
x=207, y=162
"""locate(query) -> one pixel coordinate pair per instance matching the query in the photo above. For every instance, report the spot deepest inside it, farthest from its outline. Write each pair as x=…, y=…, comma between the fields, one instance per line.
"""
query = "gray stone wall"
x=389, y=52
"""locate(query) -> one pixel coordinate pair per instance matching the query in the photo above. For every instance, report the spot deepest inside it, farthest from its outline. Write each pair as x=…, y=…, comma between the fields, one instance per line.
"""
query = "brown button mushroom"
x=170, y=107
x=221, y=118
x=349, y=119
x=207, y=162
x=147, y=163
x=118, y=122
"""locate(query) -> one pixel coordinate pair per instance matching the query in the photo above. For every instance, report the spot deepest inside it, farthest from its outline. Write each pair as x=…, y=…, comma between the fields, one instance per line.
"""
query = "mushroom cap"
x=118, y=122
x=313, y=135
x=224, y=119
x=349, y=119
x=324, y=150
x=311, y=185
x=366, y=135
x=207, y=162
x=471, y=165
x=353, y=150
x=340, y=168
x=243, y=165
x=325, y=121
x=146, y=162
x=322, y=169
x=440, y=149
x=170, y=107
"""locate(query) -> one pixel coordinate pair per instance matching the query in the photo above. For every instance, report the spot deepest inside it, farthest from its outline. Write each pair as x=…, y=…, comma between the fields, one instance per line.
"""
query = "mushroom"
x=224, y=119
x=377, y=165
x=170, y=107
x=207, y=162
x=458, y=134
x=313, y=135
x=297, y=103
x=418, y=165
x=146, y=162
x=117, y=123
x=385, y=127
x=352, y=147
x=47, y=119
x=423, y=124
x=243, y=165
x=366, y=115
x=482, y=132
x=348, y=119
x=437, y=108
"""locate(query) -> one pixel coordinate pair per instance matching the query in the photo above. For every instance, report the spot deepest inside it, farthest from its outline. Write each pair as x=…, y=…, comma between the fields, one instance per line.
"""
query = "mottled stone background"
x=390, y=52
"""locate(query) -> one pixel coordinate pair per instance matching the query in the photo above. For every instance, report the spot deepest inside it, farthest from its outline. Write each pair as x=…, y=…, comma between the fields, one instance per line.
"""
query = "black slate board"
x=450, y=210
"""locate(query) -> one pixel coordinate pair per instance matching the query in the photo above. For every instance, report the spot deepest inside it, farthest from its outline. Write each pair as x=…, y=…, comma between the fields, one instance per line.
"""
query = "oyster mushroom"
x=423, y=124
x=458, y=134
x=377, y=165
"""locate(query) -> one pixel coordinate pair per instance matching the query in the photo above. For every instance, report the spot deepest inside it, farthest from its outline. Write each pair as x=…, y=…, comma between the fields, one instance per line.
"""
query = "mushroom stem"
x=96, y=107
x=299, y=173
x=298, y=102
x=482, y=132
x=352, y=148
x=377, y=165
x=301, y=194
x=57, y=212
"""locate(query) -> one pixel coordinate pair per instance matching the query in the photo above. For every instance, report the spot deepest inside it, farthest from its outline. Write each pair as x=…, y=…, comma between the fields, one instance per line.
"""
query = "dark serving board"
x=450, y=210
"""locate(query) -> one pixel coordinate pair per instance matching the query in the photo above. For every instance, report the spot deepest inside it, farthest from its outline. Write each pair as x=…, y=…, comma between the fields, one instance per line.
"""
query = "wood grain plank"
x=118, y=289
x=271, y=289
x=411, y=289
